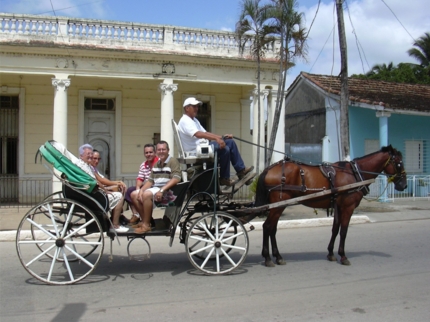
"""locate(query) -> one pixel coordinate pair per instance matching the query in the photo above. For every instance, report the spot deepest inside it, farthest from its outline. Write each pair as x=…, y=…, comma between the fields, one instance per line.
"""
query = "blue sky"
x=370, y=24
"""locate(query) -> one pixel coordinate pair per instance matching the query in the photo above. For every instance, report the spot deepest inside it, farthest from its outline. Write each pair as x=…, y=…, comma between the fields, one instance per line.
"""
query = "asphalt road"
x=389, y=280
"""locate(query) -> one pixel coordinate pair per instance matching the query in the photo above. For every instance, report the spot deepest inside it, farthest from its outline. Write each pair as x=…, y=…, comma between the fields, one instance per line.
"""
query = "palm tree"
x=380, y=69
x=253, y=30
x=422, y=53
x=289, y=27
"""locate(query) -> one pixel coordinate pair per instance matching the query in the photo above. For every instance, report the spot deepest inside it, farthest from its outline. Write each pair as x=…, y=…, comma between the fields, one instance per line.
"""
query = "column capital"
x=169, y=88
x=61, y=84
x=264, y=93
x=383, y=114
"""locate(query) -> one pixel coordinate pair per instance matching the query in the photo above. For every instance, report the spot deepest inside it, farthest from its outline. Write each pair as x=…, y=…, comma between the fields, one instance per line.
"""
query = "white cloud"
x=383, y=39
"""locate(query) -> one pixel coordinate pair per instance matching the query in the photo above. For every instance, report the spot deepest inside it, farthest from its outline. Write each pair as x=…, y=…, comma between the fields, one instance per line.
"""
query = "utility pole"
x=344, y=122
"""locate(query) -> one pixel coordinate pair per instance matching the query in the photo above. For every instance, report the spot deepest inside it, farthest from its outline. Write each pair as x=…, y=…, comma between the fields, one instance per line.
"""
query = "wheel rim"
x=56, y=240
x=217, y=243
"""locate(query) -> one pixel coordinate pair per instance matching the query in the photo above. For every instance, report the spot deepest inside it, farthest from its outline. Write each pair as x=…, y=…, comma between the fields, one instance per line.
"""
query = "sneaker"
x=121, y=229
x=227, y=182
x=244, y=172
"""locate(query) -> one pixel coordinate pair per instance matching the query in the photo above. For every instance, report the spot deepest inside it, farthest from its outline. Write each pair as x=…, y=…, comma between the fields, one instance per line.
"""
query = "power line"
x=62, y=9
x=399, y=20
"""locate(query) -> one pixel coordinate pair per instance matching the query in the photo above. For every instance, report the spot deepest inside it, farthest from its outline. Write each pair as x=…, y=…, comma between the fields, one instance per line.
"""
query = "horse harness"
x=329, y=172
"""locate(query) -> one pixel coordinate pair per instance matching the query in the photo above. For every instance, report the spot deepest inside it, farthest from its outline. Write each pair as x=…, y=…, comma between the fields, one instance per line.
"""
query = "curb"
x=258, y=225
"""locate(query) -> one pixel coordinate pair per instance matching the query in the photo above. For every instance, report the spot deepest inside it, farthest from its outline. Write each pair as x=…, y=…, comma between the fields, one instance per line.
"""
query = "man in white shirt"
x=191, y=131
x=116, y=199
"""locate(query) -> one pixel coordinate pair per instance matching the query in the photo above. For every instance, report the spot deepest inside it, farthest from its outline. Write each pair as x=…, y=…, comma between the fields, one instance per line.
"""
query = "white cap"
x=191, y=101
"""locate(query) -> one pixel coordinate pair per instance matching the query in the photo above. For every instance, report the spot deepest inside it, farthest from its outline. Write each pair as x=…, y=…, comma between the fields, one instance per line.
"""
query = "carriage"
x=61, y=240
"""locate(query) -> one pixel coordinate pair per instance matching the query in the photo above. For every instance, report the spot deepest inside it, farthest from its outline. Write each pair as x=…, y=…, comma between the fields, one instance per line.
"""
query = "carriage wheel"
x=217, y=243
x=55, y=239
x=60, y=218
x=54, y=195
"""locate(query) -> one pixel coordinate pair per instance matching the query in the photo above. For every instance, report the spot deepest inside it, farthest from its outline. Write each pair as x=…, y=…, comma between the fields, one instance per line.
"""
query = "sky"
x=377, y=31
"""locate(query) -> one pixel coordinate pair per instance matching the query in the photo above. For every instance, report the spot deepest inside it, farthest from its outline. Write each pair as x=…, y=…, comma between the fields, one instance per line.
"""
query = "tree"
x=381, y=69
x=289, y=27
x=253, y=30
x=422, y=53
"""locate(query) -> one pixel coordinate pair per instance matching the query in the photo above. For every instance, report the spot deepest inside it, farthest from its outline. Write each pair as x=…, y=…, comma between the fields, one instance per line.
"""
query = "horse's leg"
x=334, y=232
x=269, y=230
x=265, y=251
x=343, y=231
x=275, y=251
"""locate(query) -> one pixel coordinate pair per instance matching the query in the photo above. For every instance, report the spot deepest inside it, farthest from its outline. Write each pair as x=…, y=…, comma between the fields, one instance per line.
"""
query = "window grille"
x=204, y=116
x=99, y=104
x=416, y=156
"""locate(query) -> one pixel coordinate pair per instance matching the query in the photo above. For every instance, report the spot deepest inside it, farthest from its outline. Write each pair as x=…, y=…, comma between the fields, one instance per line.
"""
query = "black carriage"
x=61, y=240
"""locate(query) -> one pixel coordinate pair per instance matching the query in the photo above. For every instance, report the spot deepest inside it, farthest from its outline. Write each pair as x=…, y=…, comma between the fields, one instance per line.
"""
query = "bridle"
x=400, y=171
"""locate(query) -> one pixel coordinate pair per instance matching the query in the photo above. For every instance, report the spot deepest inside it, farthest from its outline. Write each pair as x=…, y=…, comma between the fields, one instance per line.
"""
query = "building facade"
x=117, y=86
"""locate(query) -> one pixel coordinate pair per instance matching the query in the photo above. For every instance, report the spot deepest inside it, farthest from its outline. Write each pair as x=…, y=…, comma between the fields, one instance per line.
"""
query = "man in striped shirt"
x=144, y=172
x=165, y=174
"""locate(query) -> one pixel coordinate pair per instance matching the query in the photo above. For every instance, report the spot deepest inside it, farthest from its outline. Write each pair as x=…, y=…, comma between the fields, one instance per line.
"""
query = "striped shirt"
x=161, y=174
x=145, y=170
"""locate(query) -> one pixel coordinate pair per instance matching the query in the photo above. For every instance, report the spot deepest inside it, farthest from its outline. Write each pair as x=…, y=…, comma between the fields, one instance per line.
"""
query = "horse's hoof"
x=281, y=262
x=331, y=258
x=269, y=264
x=345, y=261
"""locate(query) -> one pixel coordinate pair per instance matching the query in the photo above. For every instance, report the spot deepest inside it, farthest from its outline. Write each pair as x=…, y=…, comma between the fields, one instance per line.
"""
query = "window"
x=9, y=109
x=99, y=104
x=204, y=116
x=414, y=158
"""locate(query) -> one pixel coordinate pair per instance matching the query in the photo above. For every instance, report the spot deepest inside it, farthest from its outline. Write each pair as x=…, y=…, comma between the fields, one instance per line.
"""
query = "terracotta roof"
x=394, y=96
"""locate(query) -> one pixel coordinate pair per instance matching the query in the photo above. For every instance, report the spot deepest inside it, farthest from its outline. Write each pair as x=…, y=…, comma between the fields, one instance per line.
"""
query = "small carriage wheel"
x=210, y=247
x=59, y=216
x=54, y=241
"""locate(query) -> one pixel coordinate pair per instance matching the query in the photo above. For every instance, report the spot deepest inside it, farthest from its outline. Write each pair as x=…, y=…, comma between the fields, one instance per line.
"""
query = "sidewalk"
x=294, y=216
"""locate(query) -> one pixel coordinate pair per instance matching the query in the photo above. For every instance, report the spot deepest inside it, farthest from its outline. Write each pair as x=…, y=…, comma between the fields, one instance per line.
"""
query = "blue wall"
x=364, y=124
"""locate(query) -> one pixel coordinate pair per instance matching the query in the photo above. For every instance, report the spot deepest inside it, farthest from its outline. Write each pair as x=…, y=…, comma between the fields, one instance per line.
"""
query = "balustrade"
x=63, y=30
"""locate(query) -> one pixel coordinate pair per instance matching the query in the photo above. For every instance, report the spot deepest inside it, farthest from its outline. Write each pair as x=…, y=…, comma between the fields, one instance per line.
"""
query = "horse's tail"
x=261, y=193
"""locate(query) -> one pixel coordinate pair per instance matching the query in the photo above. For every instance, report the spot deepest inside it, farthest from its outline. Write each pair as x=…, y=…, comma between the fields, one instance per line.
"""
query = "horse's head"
x=394, y=168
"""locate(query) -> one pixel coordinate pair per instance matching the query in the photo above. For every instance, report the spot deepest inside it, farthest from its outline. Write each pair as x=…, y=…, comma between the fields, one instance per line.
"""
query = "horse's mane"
x=384, y=149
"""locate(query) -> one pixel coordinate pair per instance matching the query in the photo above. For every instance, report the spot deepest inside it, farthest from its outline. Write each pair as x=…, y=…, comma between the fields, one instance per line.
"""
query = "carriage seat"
x=203, y=155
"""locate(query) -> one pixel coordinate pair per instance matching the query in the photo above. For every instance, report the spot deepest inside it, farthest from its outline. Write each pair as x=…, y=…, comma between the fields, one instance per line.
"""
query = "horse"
x=289, y=179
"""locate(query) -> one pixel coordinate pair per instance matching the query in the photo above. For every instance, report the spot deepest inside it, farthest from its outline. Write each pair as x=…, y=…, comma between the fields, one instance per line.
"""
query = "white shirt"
x=187, y=127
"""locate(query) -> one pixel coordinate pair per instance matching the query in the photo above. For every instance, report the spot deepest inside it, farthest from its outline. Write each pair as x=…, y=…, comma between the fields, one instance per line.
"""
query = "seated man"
x=143, y=175
x=116, y=199
x=191, y=131
x=165, y=174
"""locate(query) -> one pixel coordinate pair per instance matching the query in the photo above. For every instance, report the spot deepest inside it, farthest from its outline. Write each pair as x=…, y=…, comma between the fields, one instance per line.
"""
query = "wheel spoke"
x=66, y=262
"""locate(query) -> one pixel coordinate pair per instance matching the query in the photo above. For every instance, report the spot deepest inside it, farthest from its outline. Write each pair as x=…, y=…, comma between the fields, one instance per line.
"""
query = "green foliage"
x=253, y=187
x=405, y=72
x=402, y=73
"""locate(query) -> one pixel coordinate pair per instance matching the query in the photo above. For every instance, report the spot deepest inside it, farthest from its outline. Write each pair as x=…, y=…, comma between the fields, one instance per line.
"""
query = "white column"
x=280, y=133
x=60, y=109
x=167, y=111
x=258, y=96
x=60, y=117
x=383, y=141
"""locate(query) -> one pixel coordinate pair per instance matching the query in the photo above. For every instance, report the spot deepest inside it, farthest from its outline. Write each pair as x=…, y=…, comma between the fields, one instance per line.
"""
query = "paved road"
x=388, y=281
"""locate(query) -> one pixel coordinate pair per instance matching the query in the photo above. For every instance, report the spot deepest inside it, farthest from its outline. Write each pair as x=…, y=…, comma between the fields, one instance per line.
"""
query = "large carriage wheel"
x=56, y=241
x=217, y=243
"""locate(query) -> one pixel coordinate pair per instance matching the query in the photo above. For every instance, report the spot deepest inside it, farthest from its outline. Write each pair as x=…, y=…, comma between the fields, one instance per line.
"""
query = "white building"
x=117, y=86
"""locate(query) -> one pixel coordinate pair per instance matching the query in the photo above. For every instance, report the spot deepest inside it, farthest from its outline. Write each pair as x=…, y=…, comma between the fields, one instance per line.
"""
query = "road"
x=389, y=280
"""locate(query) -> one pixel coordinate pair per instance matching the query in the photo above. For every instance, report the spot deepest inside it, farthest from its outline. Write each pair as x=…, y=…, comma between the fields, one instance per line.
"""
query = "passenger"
x=144, y=172
x=165, y=174
x=116, y=199
x=95, y=162
x=191, y=131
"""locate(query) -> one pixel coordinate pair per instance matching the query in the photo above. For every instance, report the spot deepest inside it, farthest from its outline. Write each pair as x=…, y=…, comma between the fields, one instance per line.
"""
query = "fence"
x=28, y=192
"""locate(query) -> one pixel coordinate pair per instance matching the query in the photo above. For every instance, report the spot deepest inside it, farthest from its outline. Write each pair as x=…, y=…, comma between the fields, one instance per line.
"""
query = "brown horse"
x=287, y=179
